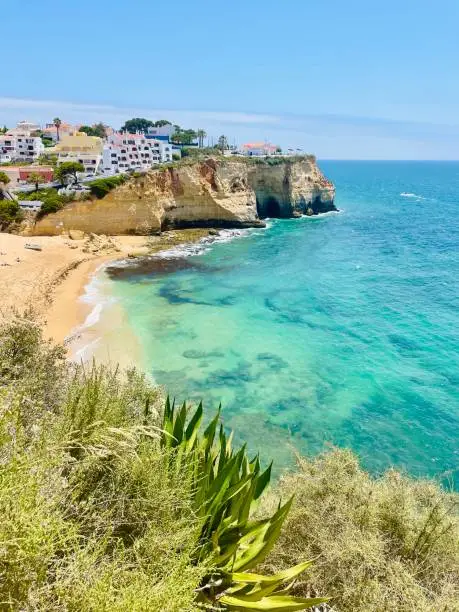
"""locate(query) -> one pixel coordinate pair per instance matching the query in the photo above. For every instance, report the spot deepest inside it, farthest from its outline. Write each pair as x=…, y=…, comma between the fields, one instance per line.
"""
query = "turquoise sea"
x=339, y=329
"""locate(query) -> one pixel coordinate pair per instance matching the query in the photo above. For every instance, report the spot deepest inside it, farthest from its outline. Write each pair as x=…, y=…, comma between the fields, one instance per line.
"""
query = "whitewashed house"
x=161, y=133
x=7, y=146
x=20, y=146
x=27, y=126
x=163, y=148
x=28, y=147
x=5, y=158
x=124, y=152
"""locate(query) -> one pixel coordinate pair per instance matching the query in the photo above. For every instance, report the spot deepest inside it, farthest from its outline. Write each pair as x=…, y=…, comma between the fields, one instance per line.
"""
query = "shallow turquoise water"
x=342, y=328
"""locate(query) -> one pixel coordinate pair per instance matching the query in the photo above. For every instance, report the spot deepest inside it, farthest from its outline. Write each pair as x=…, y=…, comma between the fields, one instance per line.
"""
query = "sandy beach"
x=51, y=281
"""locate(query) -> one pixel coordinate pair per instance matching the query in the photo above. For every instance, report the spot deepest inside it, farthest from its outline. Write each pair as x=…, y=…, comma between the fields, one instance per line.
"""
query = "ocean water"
x=341, y=329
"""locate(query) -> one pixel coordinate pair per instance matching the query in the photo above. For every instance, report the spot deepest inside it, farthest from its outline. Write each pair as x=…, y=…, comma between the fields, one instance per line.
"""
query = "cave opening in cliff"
x=268, y=207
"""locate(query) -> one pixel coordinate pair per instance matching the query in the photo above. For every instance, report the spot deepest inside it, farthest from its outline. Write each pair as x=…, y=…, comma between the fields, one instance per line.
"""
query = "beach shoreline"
x=49, y=283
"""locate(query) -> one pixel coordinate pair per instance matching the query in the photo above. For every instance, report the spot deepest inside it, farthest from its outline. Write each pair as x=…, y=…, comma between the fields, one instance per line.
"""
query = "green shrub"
x=100, y=187
x=33, y=366
x=387, y=543
x=52, y=200
x=51, y=205
x=201, y=152
x=91, y=519
x=10, y=212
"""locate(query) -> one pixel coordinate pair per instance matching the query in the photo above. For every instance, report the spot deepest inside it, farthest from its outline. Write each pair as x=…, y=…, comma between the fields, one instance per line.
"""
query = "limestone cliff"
x=219, y=192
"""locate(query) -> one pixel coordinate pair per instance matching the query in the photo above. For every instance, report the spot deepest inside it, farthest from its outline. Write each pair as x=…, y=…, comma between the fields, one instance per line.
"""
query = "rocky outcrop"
x=291, y=188
x=219, y=192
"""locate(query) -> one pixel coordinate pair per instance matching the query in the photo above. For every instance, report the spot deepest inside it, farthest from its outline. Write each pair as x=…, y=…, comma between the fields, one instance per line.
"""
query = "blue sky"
x=354, y=79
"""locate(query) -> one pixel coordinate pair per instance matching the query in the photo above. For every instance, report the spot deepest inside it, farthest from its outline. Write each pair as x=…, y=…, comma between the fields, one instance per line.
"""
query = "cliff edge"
x=215, y=191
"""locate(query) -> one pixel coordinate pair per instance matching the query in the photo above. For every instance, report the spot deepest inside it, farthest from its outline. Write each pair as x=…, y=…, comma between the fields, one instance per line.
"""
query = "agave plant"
x=226, y=489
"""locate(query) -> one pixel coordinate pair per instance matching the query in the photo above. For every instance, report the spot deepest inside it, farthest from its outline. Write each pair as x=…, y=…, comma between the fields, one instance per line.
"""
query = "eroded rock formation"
x=219, y=192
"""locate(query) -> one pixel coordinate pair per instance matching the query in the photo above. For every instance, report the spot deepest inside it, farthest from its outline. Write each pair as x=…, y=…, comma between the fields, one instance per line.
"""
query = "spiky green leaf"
x=273, y=603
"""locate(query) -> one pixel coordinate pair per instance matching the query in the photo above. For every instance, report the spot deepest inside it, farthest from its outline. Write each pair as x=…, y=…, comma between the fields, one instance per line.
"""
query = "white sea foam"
x=404, y=194
x=94, y=316
x=87, y=350
x=329, y=213
x=203, y=246
x=93, y=295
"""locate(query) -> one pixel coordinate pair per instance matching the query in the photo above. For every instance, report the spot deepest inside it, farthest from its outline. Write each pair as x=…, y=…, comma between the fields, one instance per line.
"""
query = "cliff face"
x=216, y=192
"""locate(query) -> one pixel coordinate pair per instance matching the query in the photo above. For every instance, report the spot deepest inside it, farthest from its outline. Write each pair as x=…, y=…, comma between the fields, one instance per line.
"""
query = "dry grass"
x=390, y=543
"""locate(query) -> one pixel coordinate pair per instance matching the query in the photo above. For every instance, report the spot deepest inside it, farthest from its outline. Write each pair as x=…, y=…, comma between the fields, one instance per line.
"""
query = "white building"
x=124, y=152
x=5, y=158
x=32, y=205
x=27, y=126
x=8, y=146
x=28, y=147
x=21, y=146
x=163, y=148
x=161, y=133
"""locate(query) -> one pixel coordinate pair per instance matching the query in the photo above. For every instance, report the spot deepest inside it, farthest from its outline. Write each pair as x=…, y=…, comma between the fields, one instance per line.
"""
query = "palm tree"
x=57, y=122
x=201, y=135
x=35, y=178
x=223, y=143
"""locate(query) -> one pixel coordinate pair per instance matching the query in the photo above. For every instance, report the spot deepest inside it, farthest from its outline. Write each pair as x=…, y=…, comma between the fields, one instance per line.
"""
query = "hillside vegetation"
x=109, y=501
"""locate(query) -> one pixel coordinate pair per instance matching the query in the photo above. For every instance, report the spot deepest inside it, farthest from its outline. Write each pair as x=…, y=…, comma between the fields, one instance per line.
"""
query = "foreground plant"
x=226, y=488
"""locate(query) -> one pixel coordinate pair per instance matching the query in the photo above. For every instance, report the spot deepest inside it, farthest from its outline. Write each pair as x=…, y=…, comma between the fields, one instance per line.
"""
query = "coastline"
x=100, y=326
x=50, y=283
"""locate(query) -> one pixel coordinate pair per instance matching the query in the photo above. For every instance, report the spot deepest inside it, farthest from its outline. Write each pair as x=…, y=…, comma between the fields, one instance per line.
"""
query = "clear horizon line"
x=390, y=159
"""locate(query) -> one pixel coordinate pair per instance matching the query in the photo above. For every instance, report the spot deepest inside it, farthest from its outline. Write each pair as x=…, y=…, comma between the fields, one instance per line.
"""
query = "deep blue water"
x=341, y=329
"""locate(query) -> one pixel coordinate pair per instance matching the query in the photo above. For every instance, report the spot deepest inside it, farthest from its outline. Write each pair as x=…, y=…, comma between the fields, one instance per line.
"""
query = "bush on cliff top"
x=387, y=543
x=10, y=212
x=98, y=515
x=100, y=187
x=52, y=200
